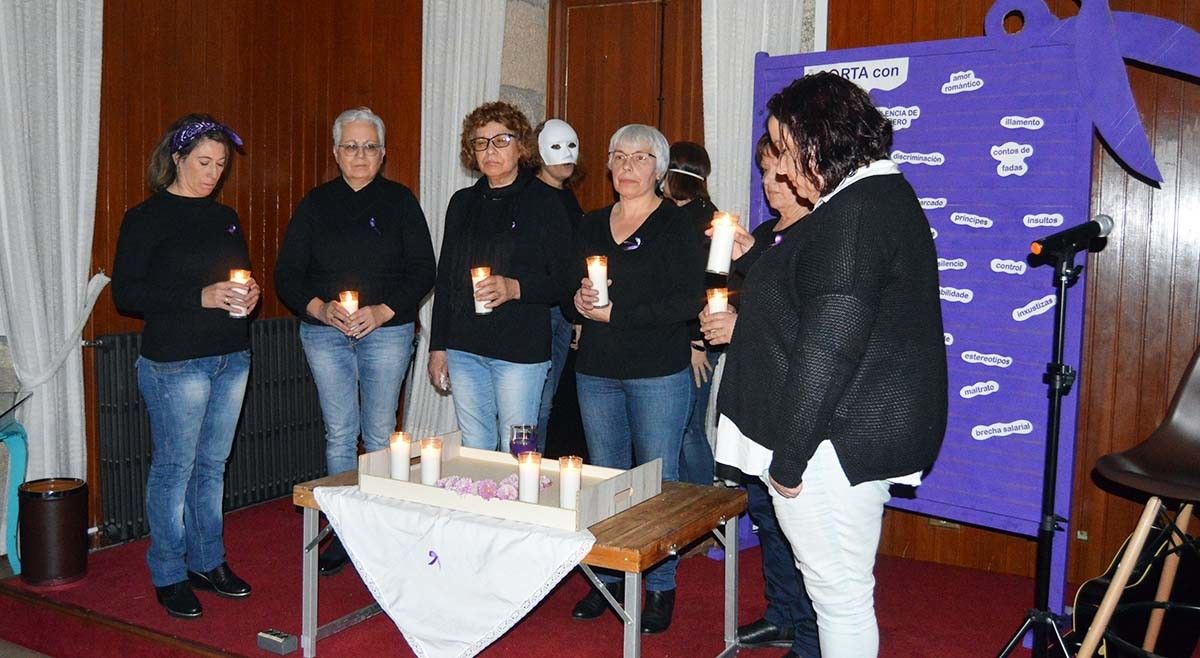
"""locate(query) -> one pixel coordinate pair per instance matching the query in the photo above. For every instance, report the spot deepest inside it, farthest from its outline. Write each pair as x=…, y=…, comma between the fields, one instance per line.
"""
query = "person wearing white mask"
x=558, y=155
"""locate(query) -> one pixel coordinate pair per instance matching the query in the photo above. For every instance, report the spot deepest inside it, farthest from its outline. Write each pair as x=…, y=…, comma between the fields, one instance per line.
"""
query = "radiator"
x=280, y=437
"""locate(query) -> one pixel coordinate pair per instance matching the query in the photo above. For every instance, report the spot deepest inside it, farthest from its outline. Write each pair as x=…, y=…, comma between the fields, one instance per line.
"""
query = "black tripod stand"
x=1059, y=378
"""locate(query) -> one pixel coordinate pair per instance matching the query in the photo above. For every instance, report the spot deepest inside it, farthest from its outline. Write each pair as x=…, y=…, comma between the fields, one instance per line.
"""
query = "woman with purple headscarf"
x=173, y=266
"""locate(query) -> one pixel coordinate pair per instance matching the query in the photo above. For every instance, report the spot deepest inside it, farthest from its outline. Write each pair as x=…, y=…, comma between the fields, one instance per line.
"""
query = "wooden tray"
x=603, y=492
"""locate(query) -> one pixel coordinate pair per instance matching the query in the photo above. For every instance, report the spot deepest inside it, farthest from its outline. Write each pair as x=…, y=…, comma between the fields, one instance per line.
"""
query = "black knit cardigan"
x=839, y=337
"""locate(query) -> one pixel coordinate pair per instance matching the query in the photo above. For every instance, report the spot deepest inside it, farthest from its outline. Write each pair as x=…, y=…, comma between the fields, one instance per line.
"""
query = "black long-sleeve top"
x=700, y=212
x=657, y=287
x=374, y=241
x=520, y=231
x=765, y=237
x=169, y=249
x=840, y=337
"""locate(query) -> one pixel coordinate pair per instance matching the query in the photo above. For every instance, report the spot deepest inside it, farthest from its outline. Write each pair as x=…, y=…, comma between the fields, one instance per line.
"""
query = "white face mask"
x=558, y=143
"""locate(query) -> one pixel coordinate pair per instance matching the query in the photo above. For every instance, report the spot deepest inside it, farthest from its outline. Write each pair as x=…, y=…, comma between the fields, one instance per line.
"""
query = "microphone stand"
x=1059, y=378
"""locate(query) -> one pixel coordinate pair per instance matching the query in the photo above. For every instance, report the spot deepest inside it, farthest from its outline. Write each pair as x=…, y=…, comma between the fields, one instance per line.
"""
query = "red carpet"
x=924, y=609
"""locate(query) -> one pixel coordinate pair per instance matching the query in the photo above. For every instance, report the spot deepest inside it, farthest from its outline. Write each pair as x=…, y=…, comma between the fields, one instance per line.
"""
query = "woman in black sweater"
x=359, y=232
x=840, y=333
x=633, y=365
x=490, y=338
x=173, y=262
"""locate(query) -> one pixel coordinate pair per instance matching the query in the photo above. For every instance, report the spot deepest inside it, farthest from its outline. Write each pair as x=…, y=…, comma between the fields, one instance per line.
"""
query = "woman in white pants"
x=839, y=332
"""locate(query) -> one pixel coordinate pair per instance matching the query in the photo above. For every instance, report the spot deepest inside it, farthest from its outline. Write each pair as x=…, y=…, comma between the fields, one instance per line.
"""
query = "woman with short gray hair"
x=358, y=232
x=633, y=367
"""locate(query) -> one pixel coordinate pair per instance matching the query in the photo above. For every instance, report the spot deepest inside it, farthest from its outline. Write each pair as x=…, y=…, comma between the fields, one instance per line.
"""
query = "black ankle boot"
x=657, y=613
x=333, y=558
x=594, y=604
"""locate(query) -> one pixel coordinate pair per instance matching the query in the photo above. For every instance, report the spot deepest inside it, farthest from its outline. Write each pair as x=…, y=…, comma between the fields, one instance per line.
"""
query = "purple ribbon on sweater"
x=190, y=132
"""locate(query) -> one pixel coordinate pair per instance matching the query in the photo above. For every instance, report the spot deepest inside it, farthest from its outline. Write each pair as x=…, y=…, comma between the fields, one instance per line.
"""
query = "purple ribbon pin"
x=434, y=559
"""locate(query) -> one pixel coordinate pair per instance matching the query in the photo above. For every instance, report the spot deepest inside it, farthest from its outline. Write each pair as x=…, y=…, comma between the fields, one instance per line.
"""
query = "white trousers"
x=834, y=531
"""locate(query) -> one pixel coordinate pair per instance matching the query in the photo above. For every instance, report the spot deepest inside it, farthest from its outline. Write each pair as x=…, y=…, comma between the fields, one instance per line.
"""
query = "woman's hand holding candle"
x=717, y=328
x=368, y=319
x=742, y=240
x=331, y=313
x=229, y=296
x=496, y=290
x=585, y=302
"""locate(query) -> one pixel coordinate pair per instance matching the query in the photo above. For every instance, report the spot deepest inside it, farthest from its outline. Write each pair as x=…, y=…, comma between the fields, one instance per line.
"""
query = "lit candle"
x=570, y=471
x=239, y=276
x=720, y=253
x=431, y=460
x=529, y=471
x=349, y=300
x=718, y=300
x=400, y=452
x=597, y=267
x=478, y=274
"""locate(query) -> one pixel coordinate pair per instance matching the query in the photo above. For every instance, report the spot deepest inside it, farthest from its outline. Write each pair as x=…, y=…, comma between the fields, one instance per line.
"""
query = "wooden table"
x=630, y=542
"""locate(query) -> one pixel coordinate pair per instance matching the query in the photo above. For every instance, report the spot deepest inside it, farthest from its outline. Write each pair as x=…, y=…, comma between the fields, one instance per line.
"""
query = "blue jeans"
x=358, y=383
x=194, y=407
x=696, y=459
x=634, y=421
x=787, y=601
x=560, y=345
x=491, y=394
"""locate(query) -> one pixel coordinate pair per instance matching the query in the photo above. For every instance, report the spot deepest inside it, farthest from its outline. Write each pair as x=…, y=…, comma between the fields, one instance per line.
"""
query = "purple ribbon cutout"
x=187, y=134
x=434, y=561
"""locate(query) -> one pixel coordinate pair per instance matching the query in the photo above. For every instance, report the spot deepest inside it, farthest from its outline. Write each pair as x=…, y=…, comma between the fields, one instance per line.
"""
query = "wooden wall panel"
x=612, y=63
x=278, y=73
x=1143, y=289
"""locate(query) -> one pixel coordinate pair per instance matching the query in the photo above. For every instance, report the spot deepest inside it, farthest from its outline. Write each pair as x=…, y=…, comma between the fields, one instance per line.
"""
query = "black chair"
x=1166, y=467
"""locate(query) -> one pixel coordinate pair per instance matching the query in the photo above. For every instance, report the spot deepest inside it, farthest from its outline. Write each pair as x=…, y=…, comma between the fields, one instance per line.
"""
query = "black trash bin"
x=53, y=522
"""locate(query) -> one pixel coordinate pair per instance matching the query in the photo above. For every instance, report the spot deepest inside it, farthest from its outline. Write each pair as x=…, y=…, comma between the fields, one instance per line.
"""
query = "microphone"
x=1075, y=237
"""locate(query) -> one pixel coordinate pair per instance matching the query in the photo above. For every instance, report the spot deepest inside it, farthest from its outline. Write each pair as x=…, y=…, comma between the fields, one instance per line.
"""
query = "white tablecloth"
x=451, y=581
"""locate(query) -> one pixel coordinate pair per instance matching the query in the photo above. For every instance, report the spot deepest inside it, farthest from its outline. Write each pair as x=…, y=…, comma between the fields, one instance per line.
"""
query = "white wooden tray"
x=603, y=491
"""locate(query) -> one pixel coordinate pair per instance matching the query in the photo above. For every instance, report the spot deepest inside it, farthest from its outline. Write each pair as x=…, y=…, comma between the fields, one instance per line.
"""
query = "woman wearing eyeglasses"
x=495, y=356
x=633, y=367
x=358, y=232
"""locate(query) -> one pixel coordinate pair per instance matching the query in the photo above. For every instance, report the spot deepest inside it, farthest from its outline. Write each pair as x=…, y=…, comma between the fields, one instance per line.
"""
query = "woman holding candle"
x=789, y=620
x=840, y=332
x=686, y=183
x=497, y=360
x=355, y=262
x=633, y=365
x=173, y=268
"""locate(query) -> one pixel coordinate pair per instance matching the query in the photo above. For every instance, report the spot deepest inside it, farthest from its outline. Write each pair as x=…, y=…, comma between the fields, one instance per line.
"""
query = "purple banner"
x=995, y=135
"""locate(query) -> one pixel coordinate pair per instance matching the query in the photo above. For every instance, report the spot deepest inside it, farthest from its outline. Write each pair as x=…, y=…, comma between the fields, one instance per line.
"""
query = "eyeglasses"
x=501, y=141
x=638, y=159
x=370, y=149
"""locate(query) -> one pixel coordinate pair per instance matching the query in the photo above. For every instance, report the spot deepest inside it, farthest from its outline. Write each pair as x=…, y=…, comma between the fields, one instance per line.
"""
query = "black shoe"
x=179, y=600
x=333, y=558
x=221, y=580
x=763, y=633
x=660, y=606
x=594, y=604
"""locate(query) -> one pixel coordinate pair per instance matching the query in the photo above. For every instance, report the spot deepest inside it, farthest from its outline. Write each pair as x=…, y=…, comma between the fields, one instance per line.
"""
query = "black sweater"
x=839, y=337
x=519, y=231
x=657, y=287
x=374, y=241
x=169, y=249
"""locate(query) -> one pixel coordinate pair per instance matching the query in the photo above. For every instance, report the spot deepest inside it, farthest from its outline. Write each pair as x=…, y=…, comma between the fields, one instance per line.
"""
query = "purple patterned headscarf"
x=190, y=132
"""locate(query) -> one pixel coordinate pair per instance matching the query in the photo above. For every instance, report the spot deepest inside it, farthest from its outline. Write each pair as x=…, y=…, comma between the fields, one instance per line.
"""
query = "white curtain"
x=49, y=136
x=732, y=31
x=462, y=43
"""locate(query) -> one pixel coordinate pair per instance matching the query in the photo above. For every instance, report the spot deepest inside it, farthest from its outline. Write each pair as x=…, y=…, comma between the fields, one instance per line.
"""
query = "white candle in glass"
x=239, y=276
x=431, y=461
x=529, y=471
x=597, y=268
x=718, y=300
x=400, y=453
x=479, y=274
x=720, y=252
x=570, y=474
x=349, y=300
